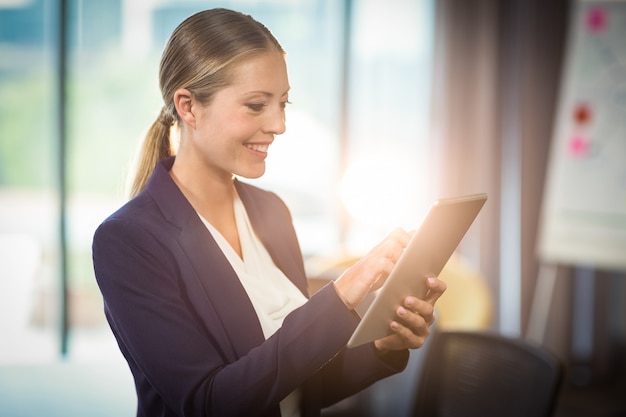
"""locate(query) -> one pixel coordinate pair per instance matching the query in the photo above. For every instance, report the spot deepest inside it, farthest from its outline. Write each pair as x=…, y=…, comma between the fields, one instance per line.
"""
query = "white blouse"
x=272, y=294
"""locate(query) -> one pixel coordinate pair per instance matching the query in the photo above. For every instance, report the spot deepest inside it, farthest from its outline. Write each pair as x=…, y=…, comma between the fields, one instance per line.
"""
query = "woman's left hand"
x=414, y=318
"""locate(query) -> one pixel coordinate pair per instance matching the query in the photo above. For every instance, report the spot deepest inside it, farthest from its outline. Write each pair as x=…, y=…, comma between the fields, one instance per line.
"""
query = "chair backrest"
x=467, y=374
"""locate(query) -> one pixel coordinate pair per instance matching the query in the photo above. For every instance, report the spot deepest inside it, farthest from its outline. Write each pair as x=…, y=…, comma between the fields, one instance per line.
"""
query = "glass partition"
x=29, y=201
x=111, y=97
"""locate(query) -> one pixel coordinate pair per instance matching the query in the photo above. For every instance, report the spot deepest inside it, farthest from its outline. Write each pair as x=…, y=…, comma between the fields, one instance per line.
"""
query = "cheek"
x=242, y=128
x=228, y=128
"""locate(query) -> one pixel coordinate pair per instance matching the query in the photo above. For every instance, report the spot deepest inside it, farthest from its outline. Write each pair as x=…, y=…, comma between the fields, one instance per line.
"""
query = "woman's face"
x=234, y=131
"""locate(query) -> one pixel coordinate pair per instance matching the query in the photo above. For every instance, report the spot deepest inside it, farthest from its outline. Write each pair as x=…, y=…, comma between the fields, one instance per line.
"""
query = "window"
x=29, y=225
x=113, y=50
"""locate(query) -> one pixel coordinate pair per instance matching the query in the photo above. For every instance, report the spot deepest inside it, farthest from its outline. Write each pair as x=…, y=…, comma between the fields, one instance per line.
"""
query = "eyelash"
x=257, y=107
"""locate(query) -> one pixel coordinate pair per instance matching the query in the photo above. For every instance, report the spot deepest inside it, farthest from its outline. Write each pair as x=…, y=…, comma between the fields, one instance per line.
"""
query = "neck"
x=204, y=190
x=212, y=196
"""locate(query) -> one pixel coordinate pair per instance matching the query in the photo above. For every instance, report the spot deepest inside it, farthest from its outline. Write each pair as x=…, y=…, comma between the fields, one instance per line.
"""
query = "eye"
x=256, y=107
x=283, y=104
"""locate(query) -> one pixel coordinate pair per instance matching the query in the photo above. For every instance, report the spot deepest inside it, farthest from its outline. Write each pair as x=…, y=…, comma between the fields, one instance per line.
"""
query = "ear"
x=184, y=103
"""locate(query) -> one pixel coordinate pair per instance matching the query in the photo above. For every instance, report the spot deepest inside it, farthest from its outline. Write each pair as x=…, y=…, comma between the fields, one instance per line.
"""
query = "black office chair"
x=467, y=374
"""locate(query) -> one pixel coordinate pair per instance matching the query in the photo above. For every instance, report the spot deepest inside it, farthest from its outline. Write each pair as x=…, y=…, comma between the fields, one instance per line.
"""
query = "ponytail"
x=156, y=146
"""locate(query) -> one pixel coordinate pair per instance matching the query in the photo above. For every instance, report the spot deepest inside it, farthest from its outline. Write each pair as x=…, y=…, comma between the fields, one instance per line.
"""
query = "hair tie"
x=165, y=118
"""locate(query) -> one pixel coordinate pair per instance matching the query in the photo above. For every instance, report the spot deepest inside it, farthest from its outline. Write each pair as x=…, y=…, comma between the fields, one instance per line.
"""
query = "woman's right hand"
x=371, y=271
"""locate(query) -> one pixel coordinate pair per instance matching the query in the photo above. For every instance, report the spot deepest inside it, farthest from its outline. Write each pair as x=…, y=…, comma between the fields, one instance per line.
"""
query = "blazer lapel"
x=222, y=287
x=212, y=273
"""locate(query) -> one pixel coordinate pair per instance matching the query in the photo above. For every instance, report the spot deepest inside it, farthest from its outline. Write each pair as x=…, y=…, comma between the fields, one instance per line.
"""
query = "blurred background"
x=395, y=103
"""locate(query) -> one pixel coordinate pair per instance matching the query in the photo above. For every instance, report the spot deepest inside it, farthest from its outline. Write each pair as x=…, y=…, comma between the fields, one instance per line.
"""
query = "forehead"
x=266, y=72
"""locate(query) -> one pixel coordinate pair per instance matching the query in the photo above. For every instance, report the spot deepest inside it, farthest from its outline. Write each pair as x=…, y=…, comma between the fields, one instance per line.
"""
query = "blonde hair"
x=199, y=56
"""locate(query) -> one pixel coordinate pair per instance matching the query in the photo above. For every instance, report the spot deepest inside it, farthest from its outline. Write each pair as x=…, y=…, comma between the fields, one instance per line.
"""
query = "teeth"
x=258, y=148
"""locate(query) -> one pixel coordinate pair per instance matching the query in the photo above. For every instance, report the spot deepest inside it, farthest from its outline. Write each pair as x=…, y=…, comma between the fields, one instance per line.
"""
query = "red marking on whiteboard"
x=582, y=114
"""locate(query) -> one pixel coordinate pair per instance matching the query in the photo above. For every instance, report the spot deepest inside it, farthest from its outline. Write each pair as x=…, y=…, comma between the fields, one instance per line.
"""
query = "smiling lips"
x=258, y=147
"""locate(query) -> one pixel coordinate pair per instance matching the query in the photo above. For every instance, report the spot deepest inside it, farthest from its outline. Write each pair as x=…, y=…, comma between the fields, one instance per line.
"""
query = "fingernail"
x=401, y=311
x=431, y=281
x=409, y=301
x=393, y=325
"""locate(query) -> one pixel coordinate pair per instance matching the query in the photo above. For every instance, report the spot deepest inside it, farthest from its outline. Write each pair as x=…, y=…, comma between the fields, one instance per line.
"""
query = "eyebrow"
x=266, y=93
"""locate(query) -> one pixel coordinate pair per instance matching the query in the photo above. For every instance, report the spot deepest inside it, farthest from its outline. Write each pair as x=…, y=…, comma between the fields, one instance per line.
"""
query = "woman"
x=201, y=274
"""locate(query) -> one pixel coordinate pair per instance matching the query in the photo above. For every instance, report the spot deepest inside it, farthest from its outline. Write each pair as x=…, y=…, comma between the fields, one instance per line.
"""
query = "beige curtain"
x=496, y=79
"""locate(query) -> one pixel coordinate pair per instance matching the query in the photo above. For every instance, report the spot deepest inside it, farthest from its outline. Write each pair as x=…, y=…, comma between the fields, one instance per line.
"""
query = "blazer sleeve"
x=351, y=370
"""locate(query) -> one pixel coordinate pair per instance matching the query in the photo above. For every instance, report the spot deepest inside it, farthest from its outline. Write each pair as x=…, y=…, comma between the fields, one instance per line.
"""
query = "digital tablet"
x=432, y=244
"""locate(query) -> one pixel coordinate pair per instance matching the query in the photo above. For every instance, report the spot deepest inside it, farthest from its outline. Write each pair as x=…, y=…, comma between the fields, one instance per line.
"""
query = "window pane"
x=386, y=181
x=29, y=290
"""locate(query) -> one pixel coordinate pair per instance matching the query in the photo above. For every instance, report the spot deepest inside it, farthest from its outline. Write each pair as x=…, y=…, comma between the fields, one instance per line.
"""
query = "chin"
x=252, y=174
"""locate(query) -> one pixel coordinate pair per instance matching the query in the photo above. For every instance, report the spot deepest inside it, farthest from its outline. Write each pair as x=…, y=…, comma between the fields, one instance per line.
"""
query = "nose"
x=275, y=121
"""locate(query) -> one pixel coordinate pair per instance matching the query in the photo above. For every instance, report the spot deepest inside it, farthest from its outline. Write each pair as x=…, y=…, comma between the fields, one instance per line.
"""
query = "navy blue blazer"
x=188, y=330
